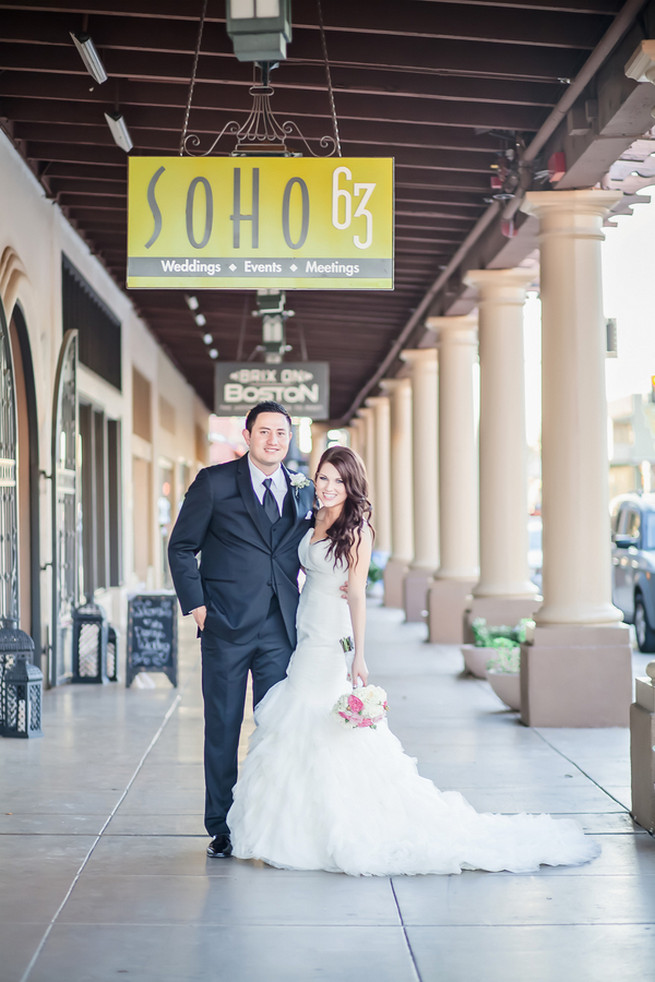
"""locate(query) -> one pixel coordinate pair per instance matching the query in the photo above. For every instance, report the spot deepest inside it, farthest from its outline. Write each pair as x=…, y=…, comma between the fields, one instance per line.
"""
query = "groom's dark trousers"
x=247, y=579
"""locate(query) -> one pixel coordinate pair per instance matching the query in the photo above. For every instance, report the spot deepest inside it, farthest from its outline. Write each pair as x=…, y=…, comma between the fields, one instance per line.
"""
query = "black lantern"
x=14, y=644
x=23, y=700
x=260, y=29
x=90, y=643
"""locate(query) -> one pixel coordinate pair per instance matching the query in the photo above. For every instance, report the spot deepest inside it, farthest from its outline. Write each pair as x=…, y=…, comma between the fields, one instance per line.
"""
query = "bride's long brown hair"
x=346, y=531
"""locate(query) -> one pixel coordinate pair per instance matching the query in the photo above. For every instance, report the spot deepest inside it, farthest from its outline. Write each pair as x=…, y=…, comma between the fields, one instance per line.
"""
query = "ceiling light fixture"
x=89, y=56
x=259, y=29
x=119, y=131
x=200, y=320
x=191, y=302
x=213, y=352
x=208, y=338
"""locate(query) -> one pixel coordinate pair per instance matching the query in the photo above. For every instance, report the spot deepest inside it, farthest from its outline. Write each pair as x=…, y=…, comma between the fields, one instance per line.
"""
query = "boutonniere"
x=299, y=481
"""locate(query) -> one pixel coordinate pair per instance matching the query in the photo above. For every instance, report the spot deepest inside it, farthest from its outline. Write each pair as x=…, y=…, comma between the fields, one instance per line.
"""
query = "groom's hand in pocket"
x=199, y=615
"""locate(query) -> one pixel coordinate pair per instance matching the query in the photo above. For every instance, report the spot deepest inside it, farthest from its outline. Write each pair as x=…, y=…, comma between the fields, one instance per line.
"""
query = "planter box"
x=475, y=659
x=507, y=686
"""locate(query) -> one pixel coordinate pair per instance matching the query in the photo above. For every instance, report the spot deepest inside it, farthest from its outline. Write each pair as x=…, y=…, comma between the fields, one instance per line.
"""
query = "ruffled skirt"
x=316, y=794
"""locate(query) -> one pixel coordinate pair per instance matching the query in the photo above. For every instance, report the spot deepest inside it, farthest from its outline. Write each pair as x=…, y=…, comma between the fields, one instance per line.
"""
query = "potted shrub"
x=477, y=655
x=503, y=671
x=374, y=584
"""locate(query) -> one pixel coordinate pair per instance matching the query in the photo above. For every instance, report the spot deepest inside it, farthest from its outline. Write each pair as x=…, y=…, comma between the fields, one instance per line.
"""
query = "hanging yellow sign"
x=251, y=222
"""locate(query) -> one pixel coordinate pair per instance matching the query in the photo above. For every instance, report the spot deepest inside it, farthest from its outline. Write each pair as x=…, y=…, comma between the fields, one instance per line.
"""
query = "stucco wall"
x=36, y=233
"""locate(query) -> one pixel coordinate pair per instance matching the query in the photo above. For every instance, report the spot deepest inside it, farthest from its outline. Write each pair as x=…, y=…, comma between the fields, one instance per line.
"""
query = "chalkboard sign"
x=151, y=635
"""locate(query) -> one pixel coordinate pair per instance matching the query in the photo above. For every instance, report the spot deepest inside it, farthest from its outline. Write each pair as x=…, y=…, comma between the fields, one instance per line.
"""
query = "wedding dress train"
x=316, y=794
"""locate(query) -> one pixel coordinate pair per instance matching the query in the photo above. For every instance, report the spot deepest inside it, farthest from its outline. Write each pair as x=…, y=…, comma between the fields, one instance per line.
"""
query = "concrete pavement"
x=104, y=875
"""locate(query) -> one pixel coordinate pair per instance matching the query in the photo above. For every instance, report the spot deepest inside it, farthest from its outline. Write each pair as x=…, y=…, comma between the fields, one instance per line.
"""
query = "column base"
x=642, y=761
x=447, y=602
x=394, y=574
x=415, y=593
x=499, y=610
x=577, y=676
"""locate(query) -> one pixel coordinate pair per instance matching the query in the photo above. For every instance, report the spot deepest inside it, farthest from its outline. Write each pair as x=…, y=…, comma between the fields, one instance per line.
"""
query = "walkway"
x=104, y=873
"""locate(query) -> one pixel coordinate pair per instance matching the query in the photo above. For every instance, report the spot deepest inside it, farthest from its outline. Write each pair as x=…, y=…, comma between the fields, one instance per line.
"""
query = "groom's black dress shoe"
x=220, y=847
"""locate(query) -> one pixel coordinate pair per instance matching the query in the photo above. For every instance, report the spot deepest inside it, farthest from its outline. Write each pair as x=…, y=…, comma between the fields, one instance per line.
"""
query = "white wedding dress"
x=316, y=794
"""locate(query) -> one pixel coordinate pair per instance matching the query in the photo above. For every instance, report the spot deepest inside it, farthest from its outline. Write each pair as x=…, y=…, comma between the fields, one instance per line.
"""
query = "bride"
x=316, y=794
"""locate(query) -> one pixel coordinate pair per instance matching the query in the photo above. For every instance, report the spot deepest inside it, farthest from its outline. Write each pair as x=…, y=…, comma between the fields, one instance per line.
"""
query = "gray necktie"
x=269, y=502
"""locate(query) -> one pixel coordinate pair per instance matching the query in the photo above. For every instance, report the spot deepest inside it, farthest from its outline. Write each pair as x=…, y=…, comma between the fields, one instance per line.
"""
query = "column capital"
x=391, y=385
x=503, y=286
x=319, y=429
x=364, y=412
x=419, y=356
x=374, y=401
x=551, y=207
x=458, y=329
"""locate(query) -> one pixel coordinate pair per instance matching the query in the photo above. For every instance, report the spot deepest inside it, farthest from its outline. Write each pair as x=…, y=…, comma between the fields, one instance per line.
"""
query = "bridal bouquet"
x=364, y=708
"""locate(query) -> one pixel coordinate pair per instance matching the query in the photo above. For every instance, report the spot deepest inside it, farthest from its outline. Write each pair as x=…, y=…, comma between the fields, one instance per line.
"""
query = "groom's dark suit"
x=247, y=579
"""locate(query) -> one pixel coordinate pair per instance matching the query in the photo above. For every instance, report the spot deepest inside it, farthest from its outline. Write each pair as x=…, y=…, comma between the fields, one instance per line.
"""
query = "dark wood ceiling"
x=439, y=86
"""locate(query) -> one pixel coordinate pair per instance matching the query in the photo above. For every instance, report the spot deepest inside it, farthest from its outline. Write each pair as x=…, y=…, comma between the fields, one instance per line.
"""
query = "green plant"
x=506, y=657
x=484, y=636
x=374, y=573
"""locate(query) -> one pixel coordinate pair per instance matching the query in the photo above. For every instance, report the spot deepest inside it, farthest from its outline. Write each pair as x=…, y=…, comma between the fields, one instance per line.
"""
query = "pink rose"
x=367, y=722
x=355, y=704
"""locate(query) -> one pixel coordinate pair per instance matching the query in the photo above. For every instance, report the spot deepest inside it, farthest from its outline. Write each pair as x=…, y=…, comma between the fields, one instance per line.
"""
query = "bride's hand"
x=358, y=671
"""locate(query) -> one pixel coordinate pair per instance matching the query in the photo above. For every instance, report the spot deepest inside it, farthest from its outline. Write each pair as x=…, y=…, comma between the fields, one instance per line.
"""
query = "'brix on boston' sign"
x=302, y=387
x=248, y=222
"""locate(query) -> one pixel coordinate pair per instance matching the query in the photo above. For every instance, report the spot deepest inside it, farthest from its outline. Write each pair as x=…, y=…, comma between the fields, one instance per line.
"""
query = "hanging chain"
x=193, y=77
x=335, y=124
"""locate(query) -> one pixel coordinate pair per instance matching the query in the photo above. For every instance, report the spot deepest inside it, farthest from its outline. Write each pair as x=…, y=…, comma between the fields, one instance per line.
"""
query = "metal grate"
x=7, y=661
x=88, y=651
x=34, y=701
x=112, y=654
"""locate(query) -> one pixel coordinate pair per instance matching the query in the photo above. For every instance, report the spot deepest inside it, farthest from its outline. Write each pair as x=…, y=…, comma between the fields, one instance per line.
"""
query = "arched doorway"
x=9, y=553
x=29, y=554
x=66, y=515
x=20, y=598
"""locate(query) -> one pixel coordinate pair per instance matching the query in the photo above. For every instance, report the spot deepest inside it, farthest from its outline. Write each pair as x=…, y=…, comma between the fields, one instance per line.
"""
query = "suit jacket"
x=244, y=560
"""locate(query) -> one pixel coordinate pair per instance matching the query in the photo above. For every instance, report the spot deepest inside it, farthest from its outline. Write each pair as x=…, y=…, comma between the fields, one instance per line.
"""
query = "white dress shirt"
x=278, y=484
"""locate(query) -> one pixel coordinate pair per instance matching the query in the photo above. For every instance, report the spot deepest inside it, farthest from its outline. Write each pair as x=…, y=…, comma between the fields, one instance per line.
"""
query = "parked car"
x=633, y=563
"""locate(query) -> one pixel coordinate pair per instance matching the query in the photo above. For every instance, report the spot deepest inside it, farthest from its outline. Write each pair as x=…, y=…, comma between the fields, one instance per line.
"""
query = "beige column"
x=422, y=364
x=356, y=429
x=319, y=443
x=367, y=414
x=382, y=513
x=399, y=391
x=458, y=479
x=504, y=593
x=577, y=670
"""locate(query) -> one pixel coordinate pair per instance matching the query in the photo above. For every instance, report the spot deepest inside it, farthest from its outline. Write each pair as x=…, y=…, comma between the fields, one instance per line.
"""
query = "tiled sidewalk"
x=104, y=875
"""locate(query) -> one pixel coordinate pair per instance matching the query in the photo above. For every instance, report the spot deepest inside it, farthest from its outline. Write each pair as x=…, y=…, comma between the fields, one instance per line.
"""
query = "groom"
x=246, y=519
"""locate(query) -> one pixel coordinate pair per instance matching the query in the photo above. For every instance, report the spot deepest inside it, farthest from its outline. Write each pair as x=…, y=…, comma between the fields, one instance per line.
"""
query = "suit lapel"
x=254, y=509
x=291, y=493
x=296, y=516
